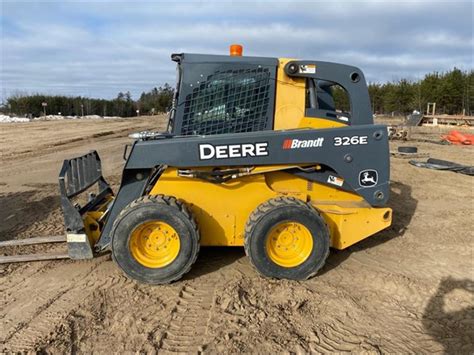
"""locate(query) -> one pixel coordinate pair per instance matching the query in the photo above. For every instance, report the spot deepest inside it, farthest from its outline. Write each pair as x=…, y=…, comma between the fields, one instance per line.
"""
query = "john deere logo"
x=368, y=178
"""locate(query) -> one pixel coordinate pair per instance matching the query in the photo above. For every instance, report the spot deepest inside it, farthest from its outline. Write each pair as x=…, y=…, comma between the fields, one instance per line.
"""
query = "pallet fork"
x=83, y=223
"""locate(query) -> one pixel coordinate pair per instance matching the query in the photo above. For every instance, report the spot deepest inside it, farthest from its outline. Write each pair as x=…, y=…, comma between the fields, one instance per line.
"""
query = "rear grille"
x=231, y=101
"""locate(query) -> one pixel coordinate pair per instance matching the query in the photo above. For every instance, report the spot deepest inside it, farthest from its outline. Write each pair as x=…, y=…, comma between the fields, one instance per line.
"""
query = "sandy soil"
x=408, y=289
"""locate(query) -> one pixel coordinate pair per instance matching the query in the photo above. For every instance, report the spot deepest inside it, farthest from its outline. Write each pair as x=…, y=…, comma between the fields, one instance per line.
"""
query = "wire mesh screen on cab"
x=231, y=101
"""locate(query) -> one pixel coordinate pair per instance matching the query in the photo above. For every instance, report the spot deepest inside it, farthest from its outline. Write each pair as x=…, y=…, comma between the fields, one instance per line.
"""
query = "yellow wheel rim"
x=289, y=244
x=154, y=244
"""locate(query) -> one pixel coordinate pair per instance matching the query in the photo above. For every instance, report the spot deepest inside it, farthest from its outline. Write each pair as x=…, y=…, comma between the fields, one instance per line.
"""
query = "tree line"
x=155, y=101
x=453, y=92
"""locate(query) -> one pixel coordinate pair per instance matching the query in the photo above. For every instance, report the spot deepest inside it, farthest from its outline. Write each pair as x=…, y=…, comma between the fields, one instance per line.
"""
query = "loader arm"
x=350, y=78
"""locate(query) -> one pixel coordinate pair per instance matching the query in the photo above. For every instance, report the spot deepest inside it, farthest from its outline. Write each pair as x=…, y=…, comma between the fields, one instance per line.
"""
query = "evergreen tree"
x=452, y=91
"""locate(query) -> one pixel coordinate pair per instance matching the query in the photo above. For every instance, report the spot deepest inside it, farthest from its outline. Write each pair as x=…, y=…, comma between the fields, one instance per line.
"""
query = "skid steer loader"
x=256, y=155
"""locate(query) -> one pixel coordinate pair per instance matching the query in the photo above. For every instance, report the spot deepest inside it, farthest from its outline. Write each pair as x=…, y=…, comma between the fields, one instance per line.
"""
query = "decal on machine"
x=335, y=180
x=368, y=178
x=226, y=151
x=350, y=140
x=307, y=69
x=302, y=143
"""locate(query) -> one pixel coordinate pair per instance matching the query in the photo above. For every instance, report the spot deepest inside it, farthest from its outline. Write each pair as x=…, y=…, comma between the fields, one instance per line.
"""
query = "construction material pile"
x=456, y=137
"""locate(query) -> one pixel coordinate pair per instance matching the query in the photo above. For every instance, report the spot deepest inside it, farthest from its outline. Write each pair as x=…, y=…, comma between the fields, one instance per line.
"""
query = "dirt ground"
x=408, y=289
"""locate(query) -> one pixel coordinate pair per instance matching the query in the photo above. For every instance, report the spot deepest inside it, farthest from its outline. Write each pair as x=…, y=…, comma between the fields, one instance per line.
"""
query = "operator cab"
x=218, y=94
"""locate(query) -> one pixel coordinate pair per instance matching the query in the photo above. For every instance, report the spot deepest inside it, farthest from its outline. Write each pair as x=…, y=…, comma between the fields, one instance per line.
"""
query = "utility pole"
x=44, y=104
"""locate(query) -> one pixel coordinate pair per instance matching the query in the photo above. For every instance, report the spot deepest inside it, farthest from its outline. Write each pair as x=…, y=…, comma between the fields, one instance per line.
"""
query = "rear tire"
x=286, y=238
x=140, y=246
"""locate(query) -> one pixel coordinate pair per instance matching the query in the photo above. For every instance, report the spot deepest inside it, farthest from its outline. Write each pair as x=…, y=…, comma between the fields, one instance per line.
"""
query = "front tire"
x=155, y=239
x=286, y=238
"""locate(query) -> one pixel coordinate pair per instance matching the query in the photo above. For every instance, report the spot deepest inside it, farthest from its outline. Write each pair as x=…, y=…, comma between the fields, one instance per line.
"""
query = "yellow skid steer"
x=256, y=155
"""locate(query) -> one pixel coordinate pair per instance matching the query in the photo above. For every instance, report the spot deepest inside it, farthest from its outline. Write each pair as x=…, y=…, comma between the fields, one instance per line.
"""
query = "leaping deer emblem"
x=367, y=178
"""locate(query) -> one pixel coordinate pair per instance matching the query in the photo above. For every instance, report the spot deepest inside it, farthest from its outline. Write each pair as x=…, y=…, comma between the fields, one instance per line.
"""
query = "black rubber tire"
x=169, y=210
x=406, y=149
x=278, y=210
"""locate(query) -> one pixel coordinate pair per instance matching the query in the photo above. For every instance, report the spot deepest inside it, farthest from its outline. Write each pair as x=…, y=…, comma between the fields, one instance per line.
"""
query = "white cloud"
x=102, y=47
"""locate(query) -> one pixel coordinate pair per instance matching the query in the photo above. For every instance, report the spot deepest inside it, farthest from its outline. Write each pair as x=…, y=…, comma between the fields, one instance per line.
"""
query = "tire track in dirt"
x=187, y=330
x=21, y=274
x=44, y=301
x=188, y=326
x=335, y=337
x=399, y=295
x=142, y=310
x=168, y=318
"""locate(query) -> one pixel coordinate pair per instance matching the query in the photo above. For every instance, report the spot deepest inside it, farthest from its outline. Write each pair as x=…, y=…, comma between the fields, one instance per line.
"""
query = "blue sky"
x=99, y=48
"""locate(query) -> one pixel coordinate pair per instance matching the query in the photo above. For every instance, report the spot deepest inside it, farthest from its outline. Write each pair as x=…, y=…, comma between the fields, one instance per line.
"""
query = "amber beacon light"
x=236, y=50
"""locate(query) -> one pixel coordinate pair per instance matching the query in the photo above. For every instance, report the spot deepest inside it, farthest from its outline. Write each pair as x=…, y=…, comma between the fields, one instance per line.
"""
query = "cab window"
x=328, y=100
